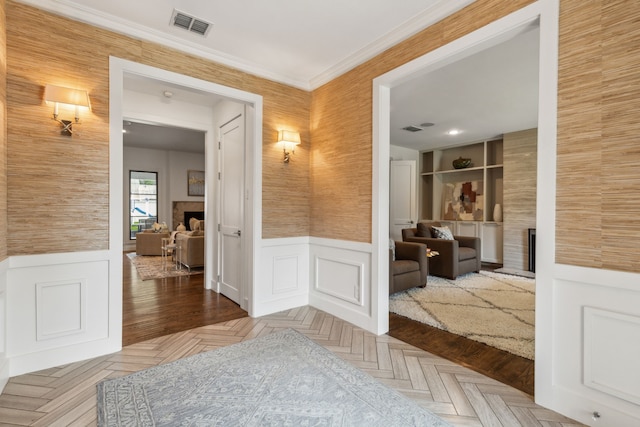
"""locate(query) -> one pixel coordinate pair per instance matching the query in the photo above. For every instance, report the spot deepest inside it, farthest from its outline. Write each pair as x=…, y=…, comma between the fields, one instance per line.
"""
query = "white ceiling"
x=157, y=137
x=306, y=44
x=485, y=95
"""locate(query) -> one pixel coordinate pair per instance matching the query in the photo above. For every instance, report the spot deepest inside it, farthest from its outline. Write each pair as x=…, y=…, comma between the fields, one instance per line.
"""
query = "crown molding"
x=106, y=21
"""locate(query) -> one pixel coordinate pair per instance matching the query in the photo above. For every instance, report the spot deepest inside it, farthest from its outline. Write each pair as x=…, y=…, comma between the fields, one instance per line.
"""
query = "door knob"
x=237, y=233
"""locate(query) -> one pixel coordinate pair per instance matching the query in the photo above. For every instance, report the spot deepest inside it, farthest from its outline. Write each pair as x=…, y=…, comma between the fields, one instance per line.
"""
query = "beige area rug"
x=150, y=267
x=496, y=309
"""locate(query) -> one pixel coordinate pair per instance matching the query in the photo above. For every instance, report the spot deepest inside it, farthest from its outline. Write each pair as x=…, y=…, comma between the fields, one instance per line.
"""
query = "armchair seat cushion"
x=466, y=253
x=405, y=266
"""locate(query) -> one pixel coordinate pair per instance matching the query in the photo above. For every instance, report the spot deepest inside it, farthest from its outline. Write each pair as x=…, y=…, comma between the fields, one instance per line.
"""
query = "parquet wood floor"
x=66, y=395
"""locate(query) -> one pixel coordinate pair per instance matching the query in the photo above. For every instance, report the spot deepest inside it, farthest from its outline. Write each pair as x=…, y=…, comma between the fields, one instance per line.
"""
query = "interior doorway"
x=119, y=69
x=545, y=15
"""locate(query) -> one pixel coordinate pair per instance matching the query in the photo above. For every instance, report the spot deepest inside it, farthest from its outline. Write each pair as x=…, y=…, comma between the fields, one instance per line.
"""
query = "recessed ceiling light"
x=426, y=124
x=453, y=132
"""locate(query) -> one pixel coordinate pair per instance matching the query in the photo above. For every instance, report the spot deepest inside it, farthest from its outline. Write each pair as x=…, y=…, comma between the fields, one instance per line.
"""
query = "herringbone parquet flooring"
x=66, y=396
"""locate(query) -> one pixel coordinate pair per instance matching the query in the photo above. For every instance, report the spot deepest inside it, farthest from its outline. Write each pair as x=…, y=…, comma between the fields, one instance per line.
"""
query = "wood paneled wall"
x=58, y=187
x=597, y=222
x=3, y=133
x=341, y=125
x=519, y=195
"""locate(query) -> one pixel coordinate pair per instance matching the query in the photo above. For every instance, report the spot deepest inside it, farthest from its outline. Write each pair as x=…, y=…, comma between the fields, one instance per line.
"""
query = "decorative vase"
x=461, y=163
x=497, y=213
x=181, y=227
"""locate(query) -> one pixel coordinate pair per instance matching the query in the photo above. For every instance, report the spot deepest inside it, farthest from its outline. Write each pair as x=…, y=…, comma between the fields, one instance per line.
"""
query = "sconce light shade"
x=63, y=95
x=290, y=137
x=289, y=140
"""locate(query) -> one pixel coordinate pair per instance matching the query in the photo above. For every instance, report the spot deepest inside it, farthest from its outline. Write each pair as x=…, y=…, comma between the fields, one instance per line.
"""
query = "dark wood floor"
x=158, y=307
x=154, y=308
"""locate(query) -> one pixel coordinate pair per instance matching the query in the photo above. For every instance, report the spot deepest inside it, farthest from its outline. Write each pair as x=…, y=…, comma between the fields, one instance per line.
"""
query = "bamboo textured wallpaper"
x=61, y=184
x=341, y=125
x=597, y=224
x=3, y=134
x=56, y=183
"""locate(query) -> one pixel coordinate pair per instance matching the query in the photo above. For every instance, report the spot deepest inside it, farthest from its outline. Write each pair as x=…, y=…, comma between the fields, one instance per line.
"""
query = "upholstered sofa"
x=458, y=256
x=149, y=243
x=408, y=266
x=191, y=249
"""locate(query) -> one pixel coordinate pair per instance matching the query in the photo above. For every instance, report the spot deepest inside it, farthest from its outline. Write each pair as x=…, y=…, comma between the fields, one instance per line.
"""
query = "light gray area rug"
x=281, y=379
x=496, y=309
x=151, y=267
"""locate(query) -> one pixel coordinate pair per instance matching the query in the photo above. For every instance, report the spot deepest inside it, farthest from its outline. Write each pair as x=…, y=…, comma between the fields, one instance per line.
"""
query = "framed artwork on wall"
x=195, y=183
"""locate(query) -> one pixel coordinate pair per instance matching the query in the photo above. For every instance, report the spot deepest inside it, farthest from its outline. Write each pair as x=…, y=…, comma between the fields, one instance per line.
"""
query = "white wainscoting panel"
x=59, y=310
x=283, y=282
x=596, y=345
x=341, y=280
x=611, y=346
x=4, y=360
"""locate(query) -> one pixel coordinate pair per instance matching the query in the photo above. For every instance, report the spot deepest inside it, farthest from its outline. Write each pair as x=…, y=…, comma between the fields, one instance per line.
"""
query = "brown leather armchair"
x=410, y=267
x=459, y=256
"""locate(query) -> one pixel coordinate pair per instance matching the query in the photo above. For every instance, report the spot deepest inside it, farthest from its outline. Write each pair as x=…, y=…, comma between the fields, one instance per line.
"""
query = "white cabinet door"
x=468, y=228
x=402, y=192
x=492, y=242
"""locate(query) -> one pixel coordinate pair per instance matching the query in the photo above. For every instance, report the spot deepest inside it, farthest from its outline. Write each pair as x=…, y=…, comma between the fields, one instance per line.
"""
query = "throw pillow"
x=392, y=246
x=424, y=230
x=442, y=233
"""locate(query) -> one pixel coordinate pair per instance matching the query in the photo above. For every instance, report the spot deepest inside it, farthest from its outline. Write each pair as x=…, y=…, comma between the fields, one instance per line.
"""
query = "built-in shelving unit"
x=437, y=176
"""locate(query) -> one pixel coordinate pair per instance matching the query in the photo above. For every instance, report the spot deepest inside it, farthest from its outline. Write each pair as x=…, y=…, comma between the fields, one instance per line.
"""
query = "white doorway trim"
x=253, y=218
x=546, y=13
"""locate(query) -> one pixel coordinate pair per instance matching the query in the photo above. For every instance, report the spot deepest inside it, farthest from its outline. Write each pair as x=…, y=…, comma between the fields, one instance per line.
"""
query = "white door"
x=402, y=191
x=230, y=278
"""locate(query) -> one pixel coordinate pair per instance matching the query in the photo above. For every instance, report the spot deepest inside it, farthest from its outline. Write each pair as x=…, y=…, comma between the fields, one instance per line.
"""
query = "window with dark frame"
x=143, y=201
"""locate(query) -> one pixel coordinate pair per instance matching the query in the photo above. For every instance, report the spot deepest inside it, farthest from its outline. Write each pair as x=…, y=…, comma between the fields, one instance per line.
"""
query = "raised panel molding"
x=283, y=278
x=60, y=308
x=608, y=355
x=286, y=270
x=340, y=279
x=596, y=344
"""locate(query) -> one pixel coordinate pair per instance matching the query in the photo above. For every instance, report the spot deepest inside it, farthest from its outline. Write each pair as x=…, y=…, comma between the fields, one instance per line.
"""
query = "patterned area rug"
x=150, y=267
x=496, y=309
x=281, y=379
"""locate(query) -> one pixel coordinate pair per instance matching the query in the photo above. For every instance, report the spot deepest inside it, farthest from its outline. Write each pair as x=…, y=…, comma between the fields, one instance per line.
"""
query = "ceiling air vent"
x=412, y=128
x=189, y=23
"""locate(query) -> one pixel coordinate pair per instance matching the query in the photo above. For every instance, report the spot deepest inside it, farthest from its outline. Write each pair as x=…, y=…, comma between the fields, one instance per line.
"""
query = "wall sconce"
x=289, y=140
x=64, y=95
